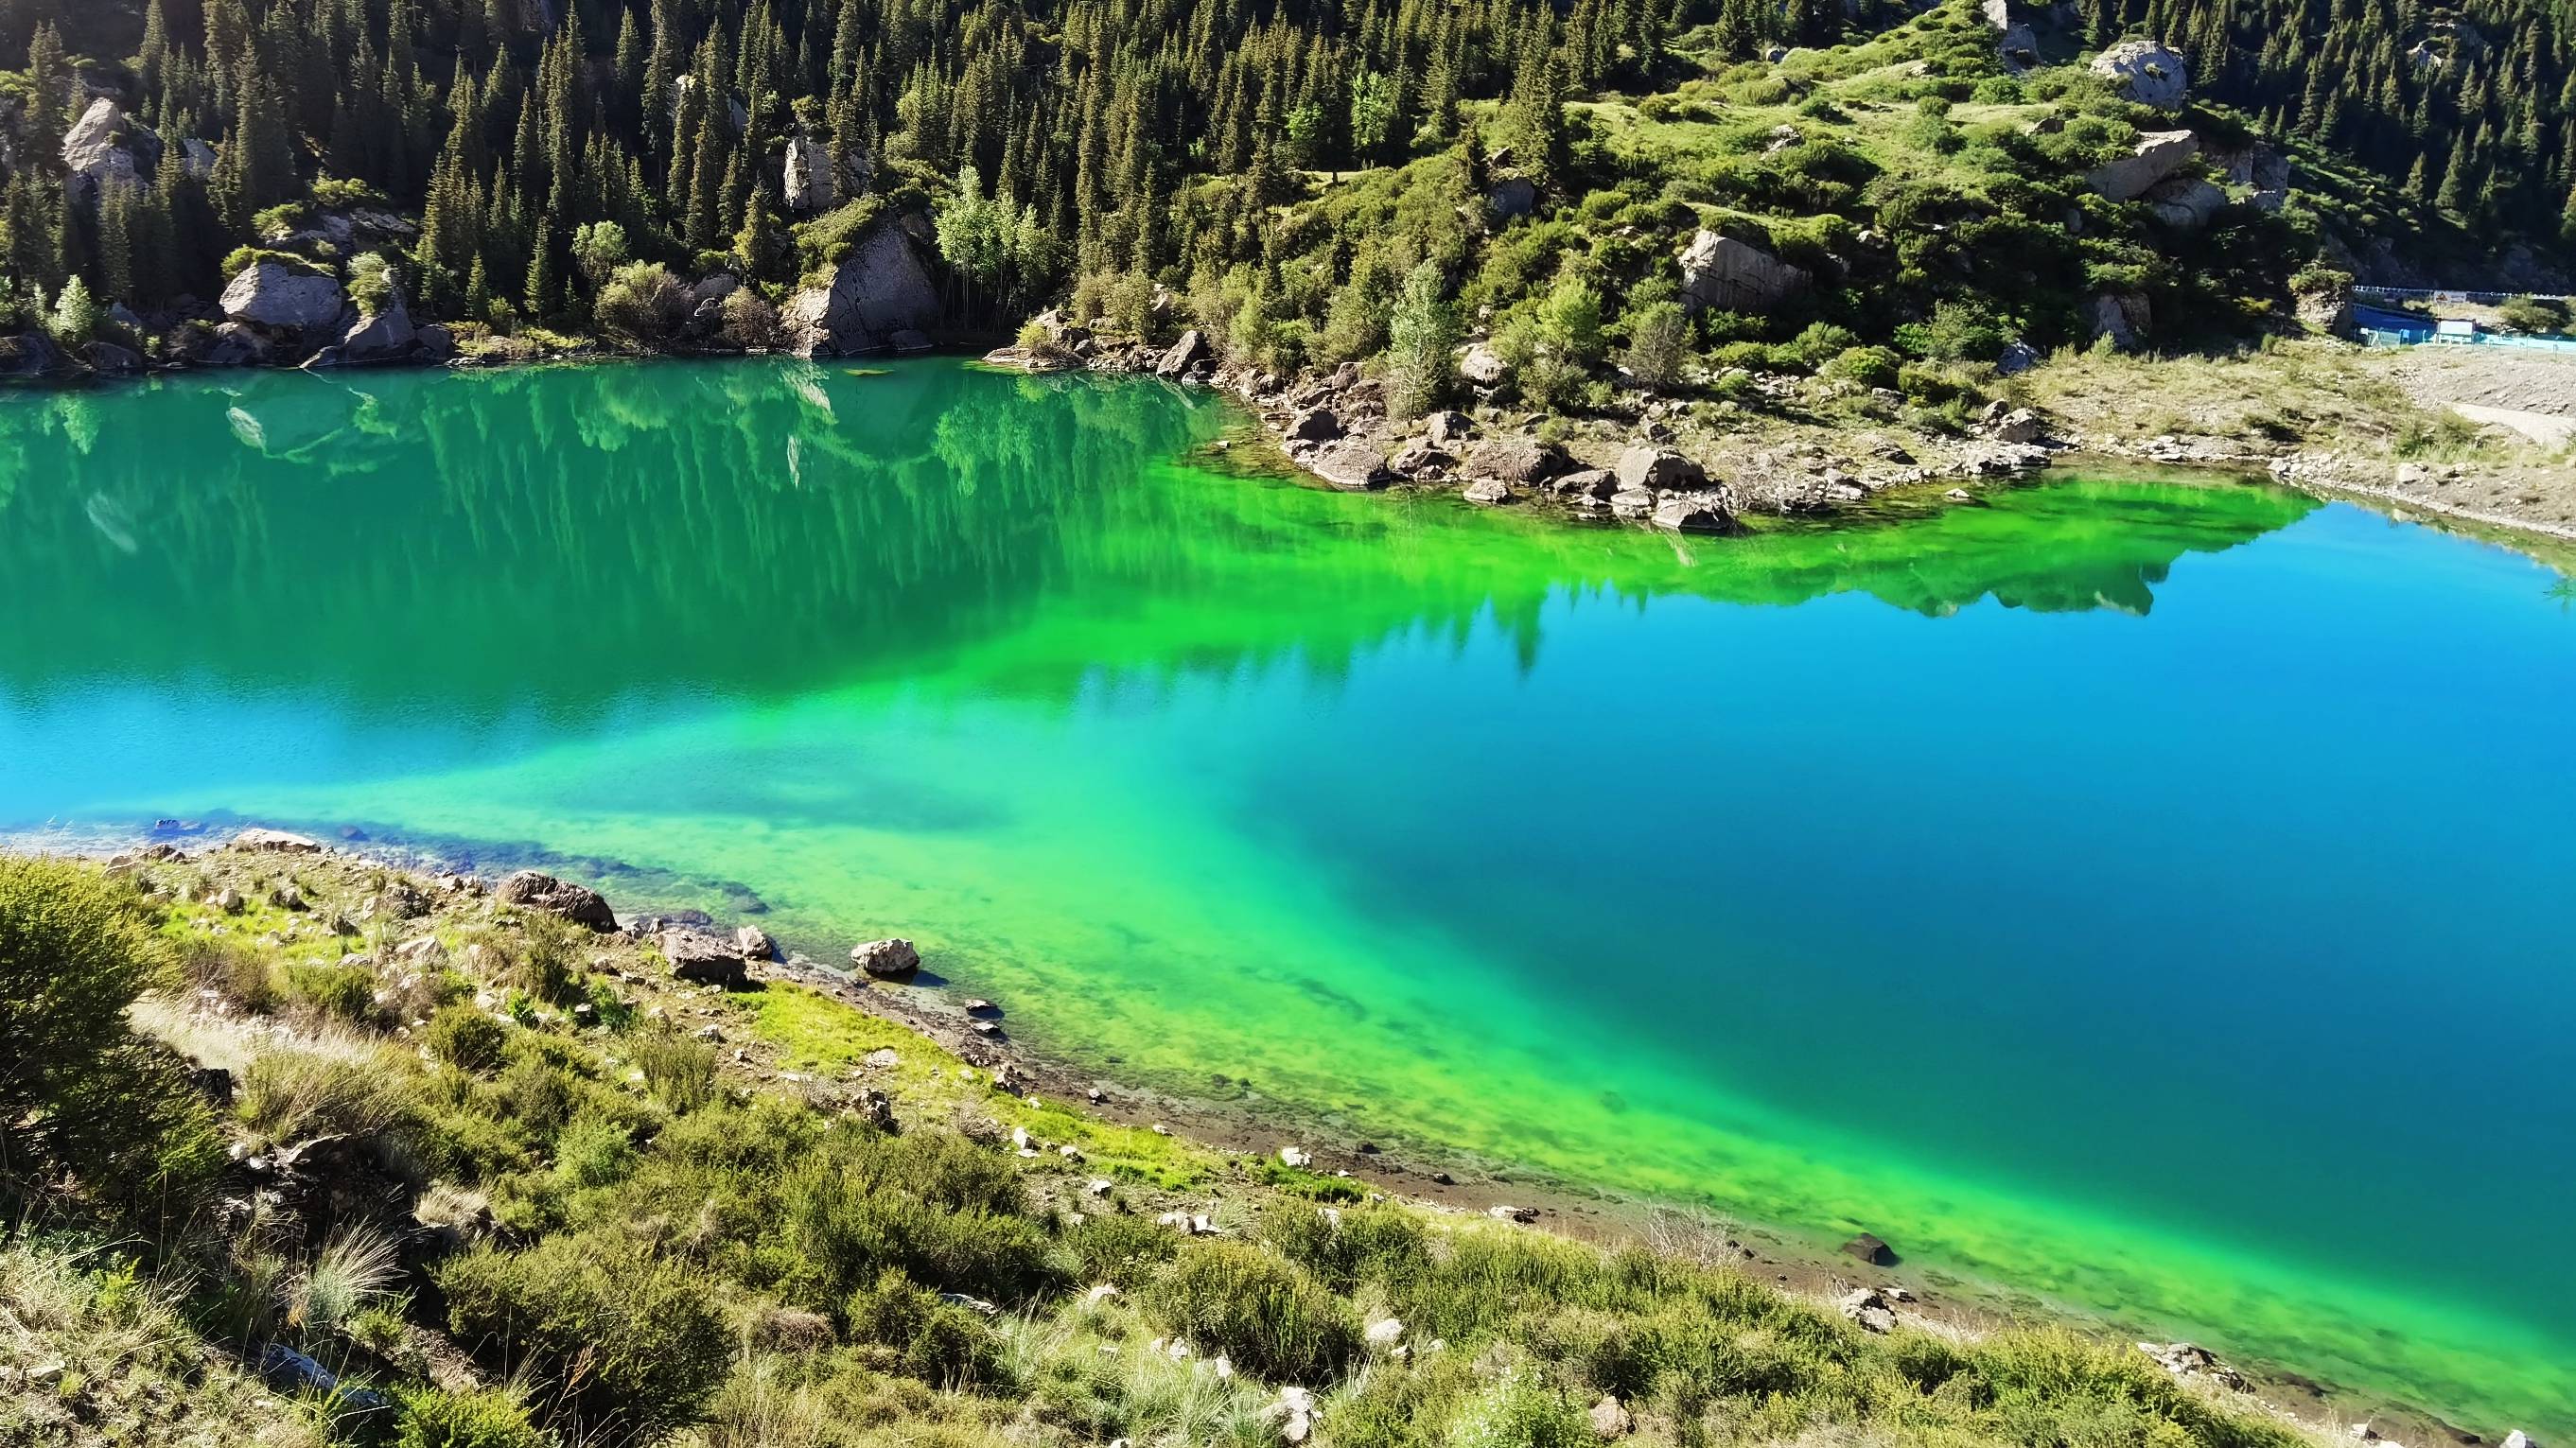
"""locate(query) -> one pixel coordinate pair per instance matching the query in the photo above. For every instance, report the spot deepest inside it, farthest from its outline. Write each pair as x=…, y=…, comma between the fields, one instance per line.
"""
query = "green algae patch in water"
x=2137, y=894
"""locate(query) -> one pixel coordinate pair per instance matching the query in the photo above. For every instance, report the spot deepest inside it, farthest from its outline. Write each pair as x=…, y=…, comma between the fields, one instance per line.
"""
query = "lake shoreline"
x=1802, y=1262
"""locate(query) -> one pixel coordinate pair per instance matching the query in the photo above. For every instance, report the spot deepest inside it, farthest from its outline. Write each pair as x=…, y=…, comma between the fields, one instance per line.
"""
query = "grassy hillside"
x=472, y=1175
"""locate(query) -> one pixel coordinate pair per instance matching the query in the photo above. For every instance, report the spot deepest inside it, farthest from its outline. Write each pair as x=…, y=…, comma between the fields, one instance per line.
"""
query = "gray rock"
x=2185, y=203
x=387, y=336
x=1728, y=275
x=110, y=360
x=2018, y=424
x=33, y=354
x=1191, y=349
x=1350, y=464
x=538, y=891
x=1517, y=459
x=1868, y=1248
x=1488, y=491
x=1318, y=425
x=281, y=298
x=1418, y=459
x=1597, y=483
x=236, y=345
x=806, y=175
x=754, y=943
x=106, y=147
x=1483, y=366
x=2123, y=317
x=1711, y=511
x=1610, y=1420
x=1631, y=503
x=2146, y=72
x=2017, y=357
x=2157, y=155
x=908, y=340
x=1657, y=469
x=886, y=959
x=1866, y=1307
x=1445, y=428
x=437, y=344
x=879, y=289
x=1511, y=197
x=2191, y=1360
x=703, y=959
x=198, y=157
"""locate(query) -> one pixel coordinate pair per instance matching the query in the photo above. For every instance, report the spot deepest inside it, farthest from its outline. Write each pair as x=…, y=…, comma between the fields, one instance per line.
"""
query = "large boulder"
x=2325, y=305
x=1510, y=197
x=32, y=354
x=1657, y=469
x=2146, y=72
x=886, y=959
x=539, y=891
x=807, y=175
x=106, y=147
x=1728, y=275
x=2186, y=203
x=275, y=296
x=2124, y=317
x=1482, y=365
x=704, y=959
x=1188, y=352
x=2157, y=155
x=879, y=289
x=1709, y=510
x=1350, y=464
x=1517, y=459
x=388, y=336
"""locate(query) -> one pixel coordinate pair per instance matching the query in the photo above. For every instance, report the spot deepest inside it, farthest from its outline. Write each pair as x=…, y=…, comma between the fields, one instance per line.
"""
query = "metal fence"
x=2377, y=328
x=2427, y=294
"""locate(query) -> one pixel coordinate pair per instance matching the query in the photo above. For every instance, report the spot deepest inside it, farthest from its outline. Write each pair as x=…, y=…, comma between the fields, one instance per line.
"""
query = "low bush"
x=631, y=1342
x=466, y=1037
x=1262, y=1311
x=485, y=1418
x=345, y=992
x=944, y=1344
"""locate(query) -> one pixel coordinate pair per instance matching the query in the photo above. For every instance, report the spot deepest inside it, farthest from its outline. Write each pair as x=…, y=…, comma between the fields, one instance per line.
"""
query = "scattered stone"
x=1445, y=428
x=754, y=943
x=1519, y=458
x=1384, y=1333
x=538, y=891
x=1610, y=1420
x=1482, y=366
x=1631, y=503
x=1867, y=1307
x=2191, y=1360
x=276, y=842
x=886, y=959
x=1099, y=1186
x=1700, y=512
x=1488, y=491
x=1316, y=425
x=1522, y=1215
x=229, y=901
x=285, y=896
x=2017, y=357
x=1294, y=1412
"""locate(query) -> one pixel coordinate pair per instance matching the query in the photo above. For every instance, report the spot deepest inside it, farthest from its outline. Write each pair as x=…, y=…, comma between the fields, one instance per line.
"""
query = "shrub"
x=372, y=282
x=1867, y=366
x=632, y=1342
x=594, y=1152
x=937, y=1208
x=84, y=1097
x=487, y=1418
x=1260, y=1310
x=944, y=1344
x=642, y=303
x=289, y=1094
x=1518, y=1411
x=353, y=1269
x=1121, y=1250
x=2533, y=314
x=680, y=1073
x=547, y=964
x=345, y=991
x=750, y=322
x=463, y=1036
x=76, y=314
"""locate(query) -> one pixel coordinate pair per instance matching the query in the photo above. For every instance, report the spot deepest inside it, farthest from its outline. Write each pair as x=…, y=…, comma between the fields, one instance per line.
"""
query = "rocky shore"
x=397, y=911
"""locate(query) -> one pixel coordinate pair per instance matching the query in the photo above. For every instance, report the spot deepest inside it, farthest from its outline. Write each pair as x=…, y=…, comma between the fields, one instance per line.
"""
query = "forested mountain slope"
x=1933, y=181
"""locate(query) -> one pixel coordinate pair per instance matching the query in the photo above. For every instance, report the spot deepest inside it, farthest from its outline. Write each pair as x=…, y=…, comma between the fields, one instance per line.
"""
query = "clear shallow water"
x=2149, y=896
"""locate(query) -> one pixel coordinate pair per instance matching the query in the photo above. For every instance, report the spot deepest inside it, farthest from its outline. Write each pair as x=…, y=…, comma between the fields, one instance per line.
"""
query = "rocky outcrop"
x=388, y=336
x=1707, y=510
x=1510, y=197
x=885, y=959
x=277, y=297
x=579, y=904
x=2324, y=305
x=2146, y=72
x=806, y=175
x=1866, y=1308
x=879, y=289
x=106, y=147
x=2157, y=155
x=1482, y=366
x=2191, y=1360
x=1722, y=273
x=30, y=355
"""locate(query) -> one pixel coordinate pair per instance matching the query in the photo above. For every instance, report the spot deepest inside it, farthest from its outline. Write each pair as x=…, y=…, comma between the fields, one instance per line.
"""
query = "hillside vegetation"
x=393, y=1162
x=687, y=174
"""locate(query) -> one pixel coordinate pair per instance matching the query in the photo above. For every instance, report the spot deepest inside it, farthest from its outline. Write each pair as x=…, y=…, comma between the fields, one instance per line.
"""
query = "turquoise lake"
x=2153, y=897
